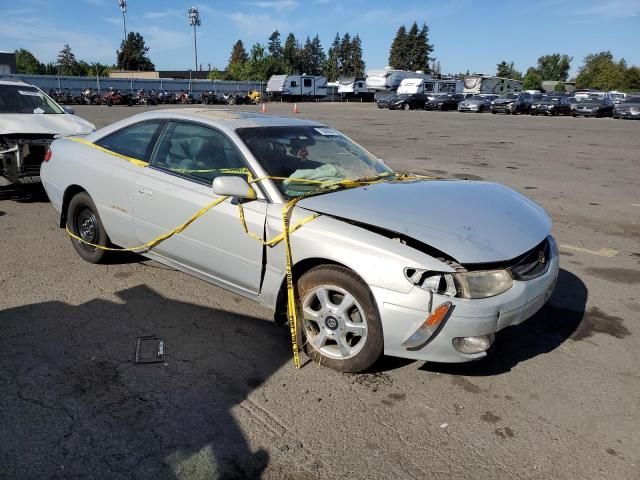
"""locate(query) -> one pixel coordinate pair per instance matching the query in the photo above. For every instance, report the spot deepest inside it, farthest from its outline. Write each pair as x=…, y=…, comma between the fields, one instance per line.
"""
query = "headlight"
x=483, y=284
x=480, y=284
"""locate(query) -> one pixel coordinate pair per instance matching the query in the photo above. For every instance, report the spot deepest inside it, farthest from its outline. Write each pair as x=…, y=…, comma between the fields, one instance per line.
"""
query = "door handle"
x=144, y=191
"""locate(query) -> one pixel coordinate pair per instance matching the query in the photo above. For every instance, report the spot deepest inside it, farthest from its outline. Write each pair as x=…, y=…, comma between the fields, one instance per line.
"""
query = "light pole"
x=123, y=6
x=194, y=21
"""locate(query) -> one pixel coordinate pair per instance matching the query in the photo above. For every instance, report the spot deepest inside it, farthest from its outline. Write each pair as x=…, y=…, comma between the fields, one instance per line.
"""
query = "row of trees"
x=599, y=71
x=132, y=55
x=344, y=58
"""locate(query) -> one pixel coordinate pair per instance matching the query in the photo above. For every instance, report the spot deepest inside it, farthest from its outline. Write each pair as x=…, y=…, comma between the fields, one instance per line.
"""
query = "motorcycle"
x=183, y=97
x=89, y=97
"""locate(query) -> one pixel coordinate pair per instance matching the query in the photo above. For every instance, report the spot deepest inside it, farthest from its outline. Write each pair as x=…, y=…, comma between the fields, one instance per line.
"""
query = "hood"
x=54, y=124
x=473, y=222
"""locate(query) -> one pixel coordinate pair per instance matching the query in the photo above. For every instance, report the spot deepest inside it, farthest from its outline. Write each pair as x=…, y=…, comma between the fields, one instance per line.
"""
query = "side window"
x=307, y=82
x=133, y=141
x=196, y=152
x=294, y=83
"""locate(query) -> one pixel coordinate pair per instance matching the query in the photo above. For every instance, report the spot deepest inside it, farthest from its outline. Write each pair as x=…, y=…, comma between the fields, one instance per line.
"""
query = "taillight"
x=48, y=155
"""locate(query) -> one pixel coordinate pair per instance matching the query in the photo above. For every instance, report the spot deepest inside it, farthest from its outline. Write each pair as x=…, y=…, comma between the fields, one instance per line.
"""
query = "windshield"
x=633, y=100
x=591, y=100
x=510, y=96
x=550, y=99
x=308, y=159
x=444, y=96
x=24, y=99
x=476, y=97
x=403, y=96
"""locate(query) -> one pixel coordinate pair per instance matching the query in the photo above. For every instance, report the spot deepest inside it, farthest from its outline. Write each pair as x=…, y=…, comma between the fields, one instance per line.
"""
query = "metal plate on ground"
x=149, y=350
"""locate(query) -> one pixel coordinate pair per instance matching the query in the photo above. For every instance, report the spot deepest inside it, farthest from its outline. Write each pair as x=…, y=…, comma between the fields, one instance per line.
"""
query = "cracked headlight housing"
x=479, y=284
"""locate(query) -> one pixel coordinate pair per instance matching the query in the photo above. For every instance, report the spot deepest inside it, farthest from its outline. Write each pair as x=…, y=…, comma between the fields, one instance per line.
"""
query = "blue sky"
x=467, y=34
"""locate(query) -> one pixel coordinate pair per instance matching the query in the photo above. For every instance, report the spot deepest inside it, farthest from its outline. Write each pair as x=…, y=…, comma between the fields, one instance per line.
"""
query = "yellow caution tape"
x=293, y=305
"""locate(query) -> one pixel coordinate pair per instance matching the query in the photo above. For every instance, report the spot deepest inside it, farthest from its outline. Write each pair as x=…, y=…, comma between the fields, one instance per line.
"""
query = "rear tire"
x=340, y=323
x=83, y=221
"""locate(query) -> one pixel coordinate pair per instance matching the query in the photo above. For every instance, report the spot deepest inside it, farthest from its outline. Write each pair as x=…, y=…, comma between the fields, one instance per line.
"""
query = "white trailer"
x=354, y=87
x=430, y=86
x=479, y=83
x=297, y=87
x=389, y=79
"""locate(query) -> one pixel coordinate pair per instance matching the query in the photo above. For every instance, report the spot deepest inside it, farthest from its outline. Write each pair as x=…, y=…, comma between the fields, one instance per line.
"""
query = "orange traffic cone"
x=295, y=108
x=263, y=108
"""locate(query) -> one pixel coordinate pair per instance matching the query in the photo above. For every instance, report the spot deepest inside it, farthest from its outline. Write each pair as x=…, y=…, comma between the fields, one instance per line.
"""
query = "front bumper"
x=627, y=114
x=503, y=108
x=401, y=314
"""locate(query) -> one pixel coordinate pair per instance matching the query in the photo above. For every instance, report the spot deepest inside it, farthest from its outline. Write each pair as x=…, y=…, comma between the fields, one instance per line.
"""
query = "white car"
x=29, y=121
x=426, y=269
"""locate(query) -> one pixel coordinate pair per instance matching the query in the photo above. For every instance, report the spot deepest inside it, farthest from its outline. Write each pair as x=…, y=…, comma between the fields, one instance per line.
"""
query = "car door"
x=113, y=179
x=186, y=159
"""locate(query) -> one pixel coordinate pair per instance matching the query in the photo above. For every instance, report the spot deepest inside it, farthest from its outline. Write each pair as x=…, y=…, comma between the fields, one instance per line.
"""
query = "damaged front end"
x=21, y=156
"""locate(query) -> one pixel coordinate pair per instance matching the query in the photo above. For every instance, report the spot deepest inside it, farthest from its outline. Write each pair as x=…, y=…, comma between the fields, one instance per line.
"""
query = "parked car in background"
x=594, y=106
x=477, y=103
x=445, y=101
x=455, y=261
x=383, y=98
x=29, y=121
x=630, y=108
x=512, y=102
x=617, y=97
x=551, y=105
x=408, y=101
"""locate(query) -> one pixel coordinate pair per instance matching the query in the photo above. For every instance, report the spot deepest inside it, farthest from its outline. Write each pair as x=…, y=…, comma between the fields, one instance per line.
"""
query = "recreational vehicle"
x=354, y=87
x=388, y=79
x=488, y=84
x=430, y=86
x=297, y=87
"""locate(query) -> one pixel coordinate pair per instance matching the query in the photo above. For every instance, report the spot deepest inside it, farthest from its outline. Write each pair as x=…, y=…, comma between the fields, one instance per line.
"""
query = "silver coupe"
x=426, y=269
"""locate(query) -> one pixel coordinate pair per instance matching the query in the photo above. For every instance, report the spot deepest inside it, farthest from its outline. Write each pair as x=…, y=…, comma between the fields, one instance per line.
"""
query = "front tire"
x=406, y=106
x=83, y=221
x=340, y=323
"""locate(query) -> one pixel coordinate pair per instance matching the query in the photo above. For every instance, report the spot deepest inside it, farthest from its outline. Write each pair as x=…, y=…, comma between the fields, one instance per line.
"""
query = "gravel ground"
x=558, y=397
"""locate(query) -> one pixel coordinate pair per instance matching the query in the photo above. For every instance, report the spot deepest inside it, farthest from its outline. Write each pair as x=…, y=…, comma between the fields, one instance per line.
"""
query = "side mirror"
x=69, y=110
x=233, y=187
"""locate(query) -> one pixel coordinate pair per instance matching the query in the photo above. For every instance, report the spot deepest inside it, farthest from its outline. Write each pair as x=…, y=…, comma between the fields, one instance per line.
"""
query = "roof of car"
x=231, y=118
x=13, y=81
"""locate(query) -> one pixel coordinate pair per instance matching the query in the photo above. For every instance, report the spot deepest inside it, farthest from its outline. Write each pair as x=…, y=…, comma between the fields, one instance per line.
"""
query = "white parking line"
x=603, y=252
x=635, y=204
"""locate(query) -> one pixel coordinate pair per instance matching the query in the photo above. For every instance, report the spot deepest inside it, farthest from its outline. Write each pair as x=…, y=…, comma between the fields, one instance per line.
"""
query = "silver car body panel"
x=465, y=228
x=457, y=217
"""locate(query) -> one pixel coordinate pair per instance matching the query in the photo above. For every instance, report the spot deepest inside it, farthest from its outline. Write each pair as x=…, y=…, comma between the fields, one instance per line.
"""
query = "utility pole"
x=194, y=21
x=123, y=7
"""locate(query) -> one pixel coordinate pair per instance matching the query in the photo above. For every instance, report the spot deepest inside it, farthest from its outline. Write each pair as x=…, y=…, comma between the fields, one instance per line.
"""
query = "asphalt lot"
x=559, y=396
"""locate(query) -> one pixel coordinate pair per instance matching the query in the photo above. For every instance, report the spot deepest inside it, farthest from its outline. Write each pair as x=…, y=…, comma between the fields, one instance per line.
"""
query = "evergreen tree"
x=275, y=47
x=397, y=53
x=290, y=54
x=411, y=50
x=317, y=56
x=132, y=54
x=67, y=62
x=356, y=57
x=345, y=57
x=237, y=62
x=332, y=67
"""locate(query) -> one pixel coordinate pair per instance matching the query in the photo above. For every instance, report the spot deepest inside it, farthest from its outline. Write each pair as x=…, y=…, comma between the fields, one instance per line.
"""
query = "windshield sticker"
x=30, y=93
x=327, y=131
x=38, y=110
